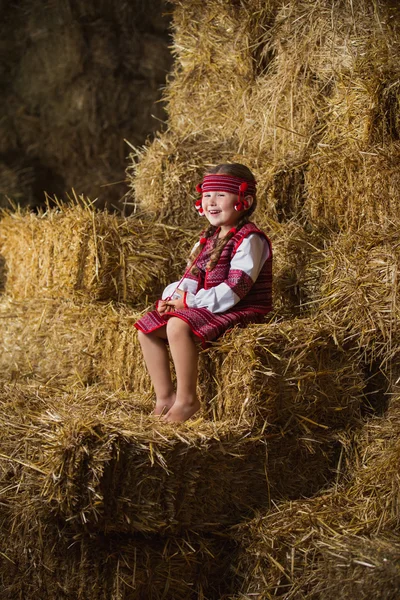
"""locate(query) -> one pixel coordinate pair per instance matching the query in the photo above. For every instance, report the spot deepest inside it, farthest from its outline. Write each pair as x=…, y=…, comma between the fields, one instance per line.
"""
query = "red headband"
x=227, y=183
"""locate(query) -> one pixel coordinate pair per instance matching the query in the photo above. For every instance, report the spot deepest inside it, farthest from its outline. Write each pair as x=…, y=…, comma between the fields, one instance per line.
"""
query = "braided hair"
x=235, y=170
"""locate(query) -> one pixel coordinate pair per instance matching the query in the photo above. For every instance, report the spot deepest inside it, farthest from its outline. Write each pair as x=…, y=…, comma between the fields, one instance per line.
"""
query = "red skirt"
x=204, y=324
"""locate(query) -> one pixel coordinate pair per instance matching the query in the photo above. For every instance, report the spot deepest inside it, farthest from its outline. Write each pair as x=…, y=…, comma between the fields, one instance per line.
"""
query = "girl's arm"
x=244, y=270
x=186, y=285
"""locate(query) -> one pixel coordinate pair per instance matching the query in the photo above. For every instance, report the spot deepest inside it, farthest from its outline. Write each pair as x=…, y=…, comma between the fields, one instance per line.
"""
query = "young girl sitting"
x=228, y=282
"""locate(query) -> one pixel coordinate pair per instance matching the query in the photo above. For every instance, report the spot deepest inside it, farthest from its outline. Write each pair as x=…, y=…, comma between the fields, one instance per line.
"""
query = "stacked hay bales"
x=283, y=426
x=281, y=86
x=341, y=544
x=93, y=463
x=43, y=555
x=305, y=94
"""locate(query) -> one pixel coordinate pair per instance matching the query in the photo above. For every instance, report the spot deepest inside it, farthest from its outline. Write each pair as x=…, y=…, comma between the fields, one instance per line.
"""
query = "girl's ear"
x=249, y=200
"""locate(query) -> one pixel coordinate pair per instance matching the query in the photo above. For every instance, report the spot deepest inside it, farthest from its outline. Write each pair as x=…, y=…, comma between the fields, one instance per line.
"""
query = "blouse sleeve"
x=186, y=285
x=244, y=270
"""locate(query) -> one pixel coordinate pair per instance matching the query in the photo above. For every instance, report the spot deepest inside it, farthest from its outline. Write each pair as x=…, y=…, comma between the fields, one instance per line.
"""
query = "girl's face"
x=219, y=208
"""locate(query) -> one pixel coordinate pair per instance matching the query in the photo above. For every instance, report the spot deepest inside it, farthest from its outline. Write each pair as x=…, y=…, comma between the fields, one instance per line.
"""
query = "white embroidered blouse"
x=249, y=258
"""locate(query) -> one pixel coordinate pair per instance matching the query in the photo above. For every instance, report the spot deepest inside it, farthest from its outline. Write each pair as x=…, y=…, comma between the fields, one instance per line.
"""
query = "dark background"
x=77, y=78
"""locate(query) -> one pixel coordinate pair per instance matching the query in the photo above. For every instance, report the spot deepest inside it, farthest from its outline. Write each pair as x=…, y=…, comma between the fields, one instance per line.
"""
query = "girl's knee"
x=152, y=335
x=177, y=327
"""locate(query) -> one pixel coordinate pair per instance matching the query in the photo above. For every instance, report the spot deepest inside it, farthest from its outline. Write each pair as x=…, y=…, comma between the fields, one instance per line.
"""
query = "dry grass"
x=45, y=559
x=358, y=287
x=76, y=252
x=359, y=567
x=348, y=187
x=293, y=376
x=283, y=85
x=296, y=255
x=306, y=94
x=313, y=550
x=341, y=544
x=75, y=344
x=100, y=461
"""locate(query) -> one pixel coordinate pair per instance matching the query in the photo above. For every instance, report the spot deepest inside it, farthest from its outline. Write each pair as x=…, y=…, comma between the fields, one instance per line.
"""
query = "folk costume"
x=237, y=291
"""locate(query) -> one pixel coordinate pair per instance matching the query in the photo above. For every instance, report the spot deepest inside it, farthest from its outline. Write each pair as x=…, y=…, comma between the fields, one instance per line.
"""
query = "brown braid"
x=236, y=170
x=216, y=253
x=209, y=232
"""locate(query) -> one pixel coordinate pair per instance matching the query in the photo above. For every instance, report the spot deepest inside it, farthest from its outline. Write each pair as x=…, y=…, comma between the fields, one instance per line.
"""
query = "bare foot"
x=162, y=407
x=181, y=412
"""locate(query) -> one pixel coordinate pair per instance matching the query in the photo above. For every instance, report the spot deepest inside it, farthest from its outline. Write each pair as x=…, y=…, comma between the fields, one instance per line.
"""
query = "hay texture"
x=359, y=567
x=75, y=344
x=358, y=288
x=76, y=252
x=100, y=461
x=348, y=187
x=311, y=550
x=277, y=554
x=293, y=377
x=305, y=94
x=78, y=80
x=294, y=382
x=78, y=344
x=375, y=487
x=343, y=543
x=296, y=258
x=44, y=559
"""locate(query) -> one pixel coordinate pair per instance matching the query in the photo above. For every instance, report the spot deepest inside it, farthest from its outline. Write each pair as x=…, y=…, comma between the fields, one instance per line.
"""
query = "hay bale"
x=214, y=64
x=55, y=57
x=281, y=375
x=328, y=546
x=277, y=553
x=78, y=344
x=245, y=376
x=359, y=287
x=359, y=567
x=294, y=382
x=76, y=252
x=296, y=254
x=82, y=75
x=284, y=85
x=75, y=344
x=99, y=461
x=44, y=559
x=315, y=549
x=375, y=486
x=348, y=187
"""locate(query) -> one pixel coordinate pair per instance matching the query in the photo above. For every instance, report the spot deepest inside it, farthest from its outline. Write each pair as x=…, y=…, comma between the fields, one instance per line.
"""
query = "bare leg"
x=156, y=357
x=185, y=356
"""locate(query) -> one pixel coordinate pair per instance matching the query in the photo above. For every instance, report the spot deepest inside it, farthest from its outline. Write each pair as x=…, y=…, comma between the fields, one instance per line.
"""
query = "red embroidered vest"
x=259, y=297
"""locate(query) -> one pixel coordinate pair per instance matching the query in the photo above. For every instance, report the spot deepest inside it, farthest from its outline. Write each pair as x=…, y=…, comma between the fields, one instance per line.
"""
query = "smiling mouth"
x=214, y=212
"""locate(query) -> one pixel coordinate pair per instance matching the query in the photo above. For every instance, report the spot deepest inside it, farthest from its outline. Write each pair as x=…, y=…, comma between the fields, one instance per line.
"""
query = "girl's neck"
x=225, y=229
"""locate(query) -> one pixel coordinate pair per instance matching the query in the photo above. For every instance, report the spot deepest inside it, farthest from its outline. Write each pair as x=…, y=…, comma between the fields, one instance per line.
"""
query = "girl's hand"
x=162, y=306
x=177, y=303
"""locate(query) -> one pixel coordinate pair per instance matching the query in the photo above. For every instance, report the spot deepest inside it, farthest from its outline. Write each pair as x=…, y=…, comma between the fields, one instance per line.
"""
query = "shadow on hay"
x=376, y=391
x=3, y=274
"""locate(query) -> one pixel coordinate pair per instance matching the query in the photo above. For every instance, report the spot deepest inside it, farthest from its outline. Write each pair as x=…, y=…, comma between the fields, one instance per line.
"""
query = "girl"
x=228, y=282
